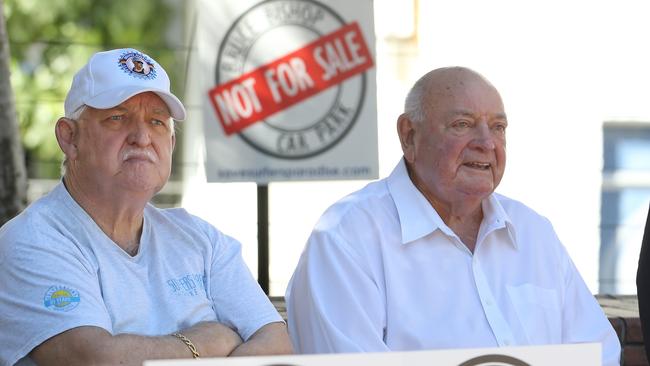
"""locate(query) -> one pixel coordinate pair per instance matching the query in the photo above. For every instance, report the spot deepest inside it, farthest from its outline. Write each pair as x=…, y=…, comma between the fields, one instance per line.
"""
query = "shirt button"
x=506, y=342
x=488, y=303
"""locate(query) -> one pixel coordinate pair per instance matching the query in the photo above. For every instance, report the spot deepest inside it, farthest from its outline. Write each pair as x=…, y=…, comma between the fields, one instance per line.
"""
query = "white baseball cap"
x=109, y=78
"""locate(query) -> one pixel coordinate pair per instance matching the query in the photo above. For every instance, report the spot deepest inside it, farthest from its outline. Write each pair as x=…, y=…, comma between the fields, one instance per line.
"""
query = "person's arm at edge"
x=271, y=339
x=584, y=319
x=329, y=276
x=90, y=345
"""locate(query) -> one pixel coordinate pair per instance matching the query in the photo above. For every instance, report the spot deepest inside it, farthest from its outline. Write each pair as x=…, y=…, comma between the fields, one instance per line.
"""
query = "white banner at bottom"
x=554, y=355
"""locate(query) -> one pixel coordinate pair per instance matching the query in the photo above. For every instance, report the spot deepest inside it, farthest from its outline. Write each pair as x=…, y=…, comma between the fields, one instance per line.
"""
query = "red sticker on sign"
x=284, y=82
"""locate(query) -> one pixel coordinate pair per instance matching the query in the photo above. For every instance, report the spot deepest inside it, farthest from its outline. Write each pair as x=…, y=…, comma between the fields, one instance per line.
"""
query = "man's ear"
x=173, y=141
x=406, y=132
x=66, y=135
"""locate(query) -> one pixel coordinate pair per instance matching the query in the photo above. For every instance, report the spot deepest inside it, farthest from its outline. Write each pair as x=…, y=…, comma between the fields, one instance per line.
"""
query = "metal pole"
x=263, y=237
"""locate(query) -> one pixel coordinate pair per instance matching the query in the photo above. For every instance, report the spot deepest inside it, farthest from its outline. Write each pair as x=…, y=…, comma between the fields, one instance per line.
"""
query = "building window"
x=624, y=204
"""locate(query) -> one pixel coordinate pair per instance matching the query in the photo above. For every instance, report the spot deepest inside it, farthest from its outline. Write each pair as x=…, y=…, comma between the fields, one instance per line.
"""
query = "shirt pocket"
x=539, y=312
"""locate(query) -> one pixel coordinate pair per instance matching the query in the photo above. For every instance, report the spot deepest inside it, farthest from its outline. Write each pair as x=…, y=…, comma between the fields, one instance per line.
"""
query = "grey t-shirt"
x=58, y=271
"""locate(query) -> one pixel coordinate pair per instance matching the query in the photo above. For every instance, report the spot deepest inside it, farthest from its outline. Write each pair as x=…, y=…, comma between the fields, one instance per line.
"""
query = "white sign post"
x=556, y=355
x=288, y=89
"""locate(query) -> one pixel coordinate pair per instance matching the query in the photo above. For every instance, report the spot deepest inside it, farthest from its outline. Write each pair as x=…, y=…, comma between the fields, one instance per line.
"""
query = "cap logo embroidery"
x=137, y=65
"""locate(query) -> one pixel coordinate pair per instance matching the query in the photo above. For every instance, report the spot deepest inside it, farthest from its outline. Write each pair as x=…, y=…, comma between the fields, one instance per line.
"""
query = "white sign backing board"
x=555, y=355
x=288, y=89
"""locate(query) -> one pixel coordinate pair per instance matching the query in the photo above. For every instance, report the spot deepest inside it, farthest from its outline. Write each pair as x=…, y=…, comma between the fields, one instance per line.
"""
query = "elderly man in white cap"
x=93, y=274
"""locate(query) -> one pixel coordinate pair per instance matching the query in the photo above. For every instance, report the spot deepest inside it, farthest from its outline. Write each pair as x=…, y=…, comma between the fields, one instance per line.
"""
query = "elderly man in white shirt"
x=430, y=257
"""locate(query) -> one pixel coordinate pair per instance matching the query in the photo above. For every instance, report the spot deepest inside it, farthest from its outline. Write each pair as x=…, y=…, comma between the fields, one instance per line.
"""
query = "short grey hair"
x=77, y=113
x=414, y=102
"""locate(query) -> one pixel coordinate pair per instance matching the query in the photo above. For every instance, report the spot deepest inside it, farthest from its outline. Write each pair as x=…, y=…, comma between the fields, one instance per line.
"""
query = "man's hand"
x=89, y=345
x=271, y=339
x=212, y=339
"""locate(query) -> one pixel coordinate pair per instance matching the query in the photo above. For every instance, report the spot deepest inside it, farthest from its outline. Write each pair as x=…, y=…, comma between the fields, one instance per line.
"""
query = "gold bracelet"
x=188, y=343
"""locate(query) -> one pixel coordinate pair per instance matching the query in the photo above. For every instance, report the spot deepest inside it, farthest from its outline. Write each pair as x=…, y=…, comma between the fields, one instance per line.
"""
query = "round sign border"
x=353, y=120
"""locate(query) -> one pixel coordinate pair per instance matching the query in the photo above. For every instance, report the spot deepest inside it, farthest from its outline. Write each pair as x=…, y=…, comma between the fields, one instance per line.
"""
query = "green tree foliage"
x=50, y=40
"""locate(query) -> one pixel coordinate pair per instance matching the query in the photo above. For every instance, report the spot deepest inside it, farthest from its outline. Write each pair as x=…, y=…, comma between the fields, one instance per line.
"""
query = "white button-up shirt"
x=381, y=271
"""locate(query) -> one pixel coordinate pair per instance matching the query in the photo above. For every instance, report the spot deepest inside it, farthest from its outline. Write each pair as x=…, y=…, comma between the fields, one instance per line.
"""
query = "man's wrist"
x=190, y=345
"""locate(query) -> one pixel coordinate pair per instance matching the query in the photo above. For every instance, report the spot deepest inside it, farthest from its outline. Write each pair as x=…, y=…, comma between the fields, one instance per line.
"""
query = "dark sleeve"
x=643, y=285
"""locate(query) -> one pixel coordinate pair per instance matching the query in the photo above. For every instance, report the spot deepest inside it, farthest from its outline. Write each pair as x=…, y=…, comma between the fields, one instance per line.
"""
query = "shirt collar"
x=416, y=215
x=495, y=217
x=418, y=218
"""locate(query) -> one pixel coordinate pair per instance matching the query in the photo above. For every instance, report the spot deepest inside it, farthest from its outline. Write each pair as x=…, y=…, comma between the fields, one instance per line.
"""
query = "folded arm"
x=271, y=339
x=95, y=346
